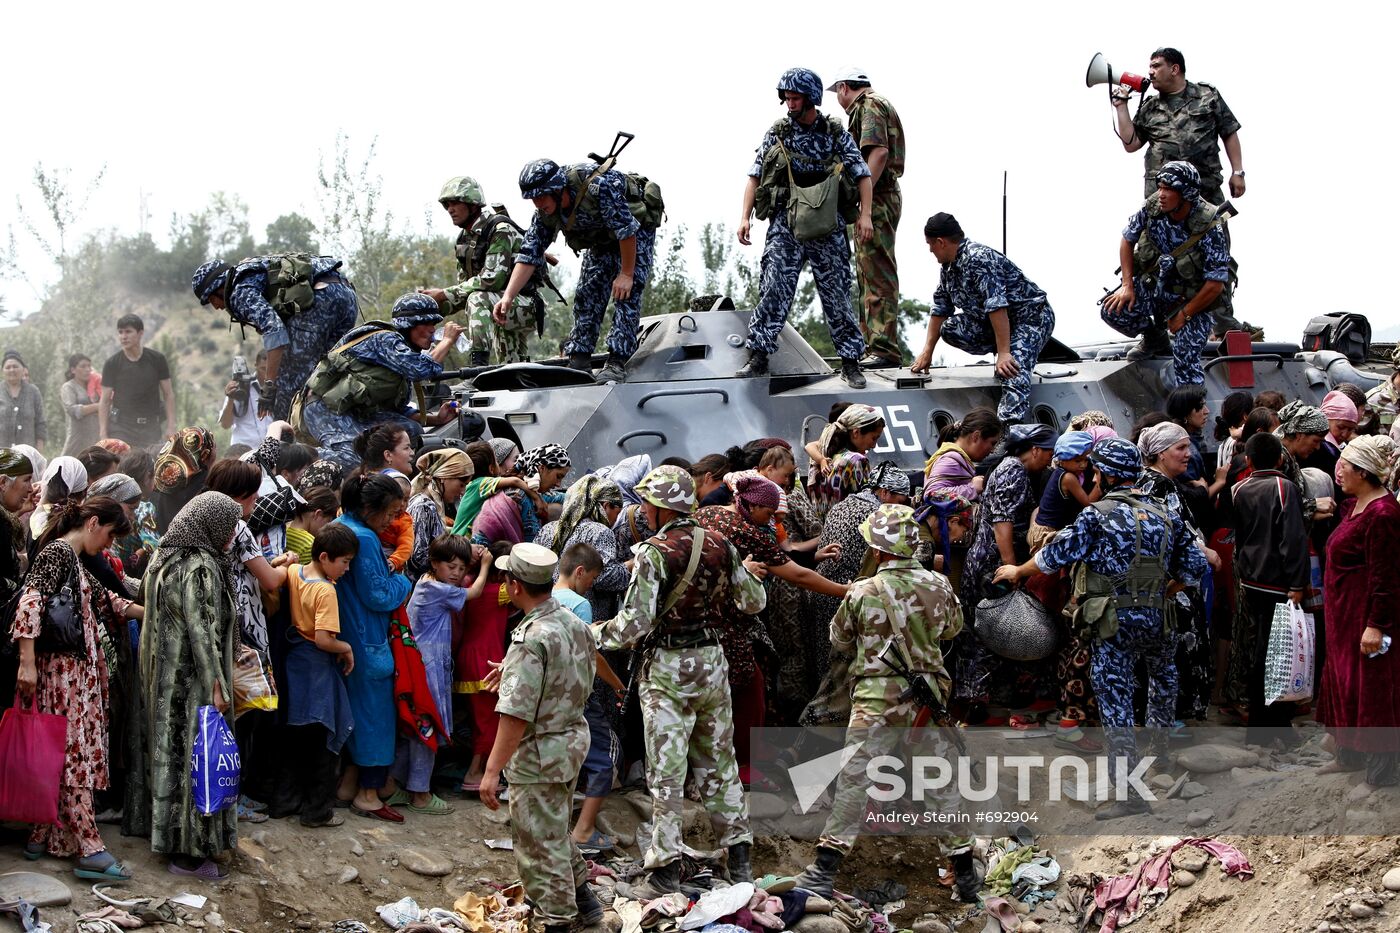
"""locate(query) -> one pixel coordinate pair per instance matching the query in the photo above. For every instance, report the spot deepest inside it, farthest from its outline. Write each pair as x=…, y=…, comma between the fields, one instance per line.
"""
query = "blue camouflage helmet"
x=413, y=309
x=801, y=81
x=1117, y=458
x=209, y=278
x=542, y=176
x=1181, y=176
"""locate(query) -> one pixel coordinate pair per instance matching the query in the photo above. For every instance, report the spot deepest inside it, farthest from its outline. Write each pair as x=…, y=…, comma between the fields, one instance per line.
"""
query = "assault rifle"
x=895, y=656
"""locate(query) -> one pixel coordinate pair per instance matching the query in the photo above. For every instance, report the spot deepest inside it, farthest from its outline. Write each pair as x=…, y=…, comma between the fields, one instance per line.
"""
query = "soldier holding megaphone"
x=1182, y=121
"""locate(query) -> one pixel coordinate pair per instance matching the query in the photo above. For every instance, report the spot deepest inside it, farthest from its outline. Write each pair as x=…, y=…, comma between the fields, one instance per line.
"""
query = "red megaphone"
x=1101, y=72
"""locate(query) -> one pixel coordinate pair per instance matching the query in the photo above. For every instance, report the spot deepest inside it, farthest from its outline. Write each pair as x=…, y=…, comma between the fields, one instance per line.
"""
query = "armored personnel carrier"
x=681, y=397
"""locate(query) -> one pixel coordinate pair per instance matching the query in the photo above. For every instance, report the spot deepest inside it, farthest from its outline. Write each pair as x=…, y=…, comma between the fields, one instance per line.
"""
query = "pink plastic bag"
x=32, y=746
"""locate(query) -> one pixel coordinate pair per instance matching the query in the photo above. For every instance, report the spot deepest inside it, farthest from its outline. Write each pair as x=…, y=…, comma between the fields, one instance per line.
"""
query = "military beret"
x=942, y=224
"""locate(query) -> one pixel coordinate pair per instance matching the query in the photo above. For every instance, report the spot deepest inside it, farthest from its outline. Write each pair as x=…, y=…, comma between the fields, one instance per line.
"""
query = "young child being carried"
x=1067, y=492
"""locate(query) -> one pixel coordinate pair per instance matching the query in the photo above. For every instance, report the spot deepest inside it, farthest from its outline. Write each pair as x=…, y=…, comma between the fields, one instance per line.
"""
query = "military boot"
x=965, y=877
x=1130, y=805
x=820, y=876
x=1154, y=342
x=756, y=366
x=590, y=909
x=660, y=882
x=850, y=371
x=615, y=371
x=583, y=362
x=739, y=868
x=478, y=358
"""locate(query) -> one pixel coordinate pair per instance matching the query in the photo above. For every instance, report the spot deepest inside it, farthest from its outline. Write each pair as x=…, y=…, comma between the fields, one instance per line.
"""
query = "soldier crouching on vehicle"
x=917, y=609
x=1175, y=264
x=683, y=581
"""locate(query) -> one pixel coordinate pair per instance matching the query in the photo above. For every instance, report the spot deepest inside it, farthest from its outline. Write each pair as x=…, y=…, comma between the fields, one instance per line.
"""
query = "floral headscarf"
x=550, y=456
x=185, y=453
x=584, y=502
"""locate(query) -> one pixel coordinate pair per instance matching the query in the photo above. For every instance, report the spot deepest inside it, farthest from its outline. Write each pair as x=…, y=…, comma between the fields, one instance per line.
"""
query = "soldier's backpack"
x=291, y=280
x=644, y=202
x=1095, y=600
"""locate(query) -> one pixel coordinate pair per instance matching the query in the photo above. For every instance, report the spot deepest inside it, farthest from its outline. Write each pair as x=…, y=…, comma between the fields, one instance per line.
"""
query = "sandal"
x=109, y=870
x=254, y=805
x=208, y=870
x=335, y=819
x=597, y=843
x=386, y=813
x=398, y=798
x=246, y=815
x=33, y=854
x=471, y=787
x=436, y=807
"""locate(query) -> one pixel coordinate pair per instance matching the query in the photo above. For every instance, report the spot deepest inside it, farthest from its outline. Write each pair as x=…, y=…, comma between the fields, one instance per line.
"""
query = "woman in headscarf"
x=72, y=681
x=543, y=469
x=135, y=549
x=187, y=648
x=65, y=479
x=180, y=467
x=1007, y=502
x=326, y=473
x=367, y=594
x=963, y=444
x=745, y=524
x=432, y=504
x=506, y=453
x=1341, y=414
x=841, y=465
x=16, y=493
x=78, y=405
x=1303, y=429
x=1167, y=453
x=590, y=507
x=1359, y=690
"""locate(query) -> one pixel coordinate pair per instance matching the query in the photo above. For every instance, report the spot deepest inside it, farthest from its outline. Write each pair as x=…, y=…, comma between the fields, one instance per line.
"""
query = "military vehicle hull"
x=682, y=399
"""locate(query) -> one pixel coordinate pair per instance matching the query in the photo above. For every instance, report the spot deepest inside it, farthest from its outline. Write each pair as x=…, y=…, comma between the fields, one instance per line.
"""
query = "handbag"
x=812, y=210
x=1291, y=656
x=61, y=623
x=1016, y=626
x=32, y=749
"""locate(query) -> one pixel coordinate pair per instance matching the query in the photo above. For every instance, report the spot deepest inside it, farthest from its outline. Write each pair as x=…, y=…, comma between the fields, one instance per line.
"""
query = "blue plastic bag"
x=214, y=766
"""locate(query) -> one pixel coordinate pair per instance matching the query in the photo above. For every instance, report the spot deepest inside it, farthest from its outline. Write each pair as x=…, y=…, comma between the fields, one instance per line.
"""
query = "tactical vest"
x=701, y=605
x=772, y=191
x=1097, y=598
x=348, y=385
x=1188, y=273
x=587, y=230
x=291, y=281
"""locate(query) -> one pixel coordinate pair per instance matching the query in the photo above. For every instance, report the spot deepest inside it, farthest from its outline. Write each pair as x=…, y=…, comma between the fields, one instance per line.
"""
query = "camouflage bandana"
x=891, y=529
x=326, y=473
x=669, y=487
x=1181, y=177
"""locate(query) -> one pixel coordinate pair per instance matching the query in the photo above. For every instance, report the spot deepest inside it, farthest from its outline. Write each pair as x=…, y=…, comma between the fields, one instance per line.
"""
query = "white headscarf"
x=68, y=470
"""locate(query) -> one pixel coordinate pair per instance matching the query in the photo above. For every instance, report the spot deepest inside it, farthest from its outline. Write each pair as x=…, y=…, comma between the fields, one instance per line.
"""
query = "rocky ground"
x=286, y=878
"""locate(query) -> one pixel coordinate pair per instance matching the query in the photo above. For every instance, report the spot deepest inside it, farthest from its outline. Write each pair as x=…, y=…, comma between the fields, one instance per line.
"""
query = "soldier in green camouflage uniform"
x=673, y=610
x=875, y=127
x=482, y=274
x=919, y=609
x=543, y=737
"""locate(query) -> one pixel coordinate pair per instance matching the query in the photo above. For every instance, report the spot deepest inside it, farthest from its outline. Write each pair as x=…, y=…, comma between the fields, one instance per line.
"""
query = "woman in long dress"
x=73, y=684
x=187, y=648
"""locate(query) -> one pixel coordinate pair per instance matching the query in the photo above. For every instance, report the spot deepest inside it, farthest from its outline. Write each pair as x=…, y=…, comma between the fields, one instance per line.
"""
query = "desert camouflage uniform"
x=1188, y=126
x=687, y=716
x=546, y=677
x=980, y=280
x=873, y=123
x=920, y=606
x=478, y=290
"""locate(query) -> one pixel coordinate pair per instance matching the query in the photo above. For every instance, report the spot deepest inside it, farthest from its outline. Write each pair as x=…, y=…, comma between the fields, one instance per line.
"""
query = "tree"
x=670, y=288
x=356, y=227
x=290, y=233
x=59, y=209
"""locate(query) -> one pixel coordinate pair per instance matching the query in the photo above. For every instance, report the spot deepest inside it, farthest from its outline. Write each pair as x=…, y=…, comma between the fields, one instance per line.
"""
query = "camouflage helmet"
x=413, y=309
x=892, y=529
x=1117, y=458
x=463, y=188
x=542, y=176
x=668, y=487
x=208, y=279
x=1181, y=176
x=802, y=81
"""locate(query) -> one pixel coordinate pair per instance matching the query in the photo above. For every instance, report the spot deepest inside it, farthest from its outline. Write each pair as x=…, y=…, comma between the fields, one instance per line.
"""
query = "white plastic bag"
x=1289, y=665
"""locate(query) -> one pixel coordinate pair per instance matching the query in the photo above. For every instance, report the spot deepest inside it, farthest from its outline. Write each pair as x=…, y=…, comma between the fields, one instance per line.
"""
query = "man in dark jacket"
x=1271, y=555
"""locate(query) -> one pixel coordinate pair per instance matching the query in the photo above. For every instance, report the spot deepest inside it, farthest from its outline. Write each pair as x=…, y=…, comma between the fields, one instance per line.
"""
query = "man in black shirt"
x=135, y=381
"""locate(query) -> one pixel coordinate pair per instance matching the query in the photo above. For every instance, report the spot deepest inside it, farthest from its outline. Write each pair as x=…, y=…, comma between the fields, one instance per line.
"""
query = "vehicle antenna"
x=1003, y=212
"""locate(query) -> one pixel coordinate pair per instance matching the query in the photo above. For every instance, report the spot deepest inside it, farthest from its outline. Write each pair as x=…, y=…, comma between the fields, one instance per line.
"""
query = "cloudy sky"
x=179, y=100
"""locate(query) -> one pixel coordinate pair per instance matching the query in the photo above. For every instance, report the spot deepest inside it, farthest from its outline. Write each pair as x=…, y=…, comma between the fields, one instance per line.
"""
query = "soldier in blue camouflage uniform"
x=918, y=609
x=672, y=612
x=294, y=343
x=1003, y=312
x=1141, y=553
x=545, y=680
x=1184, y=120
x=595, y=216
x=816, y=143
x=1161, y=292
x=485, y=249
x=385, y=360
